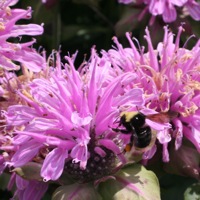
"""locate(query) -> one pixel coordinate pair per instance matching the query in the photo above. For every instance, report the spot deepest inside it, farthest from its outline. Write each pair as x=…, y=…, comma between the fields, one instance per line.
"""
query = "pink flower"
x=169, y=76
x=66, y=118
x=21, y=52
x=27, y=189
x=167, y=8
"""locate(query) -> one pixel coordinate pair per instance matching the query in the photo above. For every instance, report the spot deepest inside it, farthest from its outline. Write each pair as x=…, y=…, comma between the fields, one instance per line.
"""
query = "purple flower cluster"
x=68, y=114
x=167, y=9
x=58, y=121
x=21, y=52
x=169, y=76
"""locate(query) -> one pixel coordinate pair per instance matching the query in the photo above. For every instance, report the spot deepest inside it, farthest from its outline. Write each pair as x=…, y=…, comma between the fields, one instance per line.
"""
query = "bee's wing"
x=163, y=117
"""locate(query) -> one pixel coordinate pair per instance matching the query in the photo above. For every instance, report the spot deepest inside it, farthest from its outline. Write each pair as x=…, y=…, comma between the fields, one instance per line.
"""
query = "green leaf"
x=4, y=180
x=193, y=192
x=173, y=186
x=132, y=182
x=76, y=192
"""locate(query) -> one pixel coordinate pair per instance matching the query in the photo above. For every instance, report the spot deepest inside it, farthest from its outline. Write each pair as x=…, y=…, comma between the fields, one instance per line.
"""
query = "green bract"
x=192, y=192
x=76, y=192
x=133, y=182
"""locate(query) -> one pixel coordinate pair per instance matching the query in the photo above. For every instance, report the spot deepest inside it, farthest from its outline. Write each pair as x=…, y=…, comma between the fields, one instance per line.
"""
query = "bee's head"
x=134, y=119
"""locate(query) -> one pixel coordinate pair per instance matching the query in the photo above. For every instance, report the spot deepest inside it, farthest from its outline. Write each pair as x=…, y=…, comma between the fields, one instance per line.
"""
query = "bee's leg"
x=128, y=147
x=124, y=131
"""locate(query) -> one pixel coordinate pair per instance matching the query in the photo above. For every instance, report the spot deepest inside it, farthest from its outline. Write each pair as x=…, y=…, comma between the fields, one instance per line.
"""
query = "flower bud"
x=76, y=191
x=185, y=161
x=30, y=171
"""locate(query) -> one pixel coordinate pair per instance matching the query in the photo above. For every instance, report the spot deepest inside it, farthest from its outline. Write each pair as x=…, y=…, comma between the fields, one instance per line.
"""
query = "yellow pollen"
x=195, y=85
x=190, y=111
x=27, y=94
x=2, y=27
x=8, y=11
x=179, y=74
x=186, y=57
x=163, y=96
x=158, y=79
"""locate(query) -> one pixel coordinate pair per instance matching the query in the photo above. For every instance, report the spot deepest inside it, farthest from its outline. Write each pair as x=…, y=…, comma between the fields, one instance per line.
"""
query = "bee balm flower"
x=20, y=52
x=168, y=9
x=169, y=76
x=66, y=119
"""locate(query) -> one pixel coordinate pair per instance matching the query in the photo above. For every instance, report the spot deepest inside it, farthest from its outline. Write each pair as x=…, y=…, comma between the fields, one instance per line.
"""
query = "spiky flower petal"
x=21, y=52
x=167, y=9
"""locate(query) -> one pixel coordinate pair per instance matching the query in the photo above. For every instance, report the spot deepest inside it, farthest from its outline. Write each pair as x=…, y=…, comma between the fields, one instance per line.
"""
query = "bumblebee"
x=134, y=123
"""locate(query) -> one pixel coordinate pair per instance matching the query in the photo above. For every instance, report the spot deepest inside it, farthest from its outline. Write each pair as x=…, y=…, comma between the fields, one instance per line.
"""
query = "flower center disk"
x=97, y=167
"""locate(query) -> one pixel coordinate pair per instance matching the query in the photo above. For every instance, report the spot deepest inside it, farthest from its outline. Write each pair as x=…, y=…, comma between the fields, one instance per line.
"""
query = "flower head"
x=169, y=76
x=168, y=9
x=21, y=52
x=65, y=121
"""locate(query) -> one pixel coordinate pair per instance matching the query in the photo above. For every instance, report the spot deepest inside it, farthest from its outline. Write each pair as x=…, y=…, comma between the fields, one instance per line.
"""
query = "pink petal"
x=53, y=165
x=25, y=153
x=194, y=9
x=169, y=14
